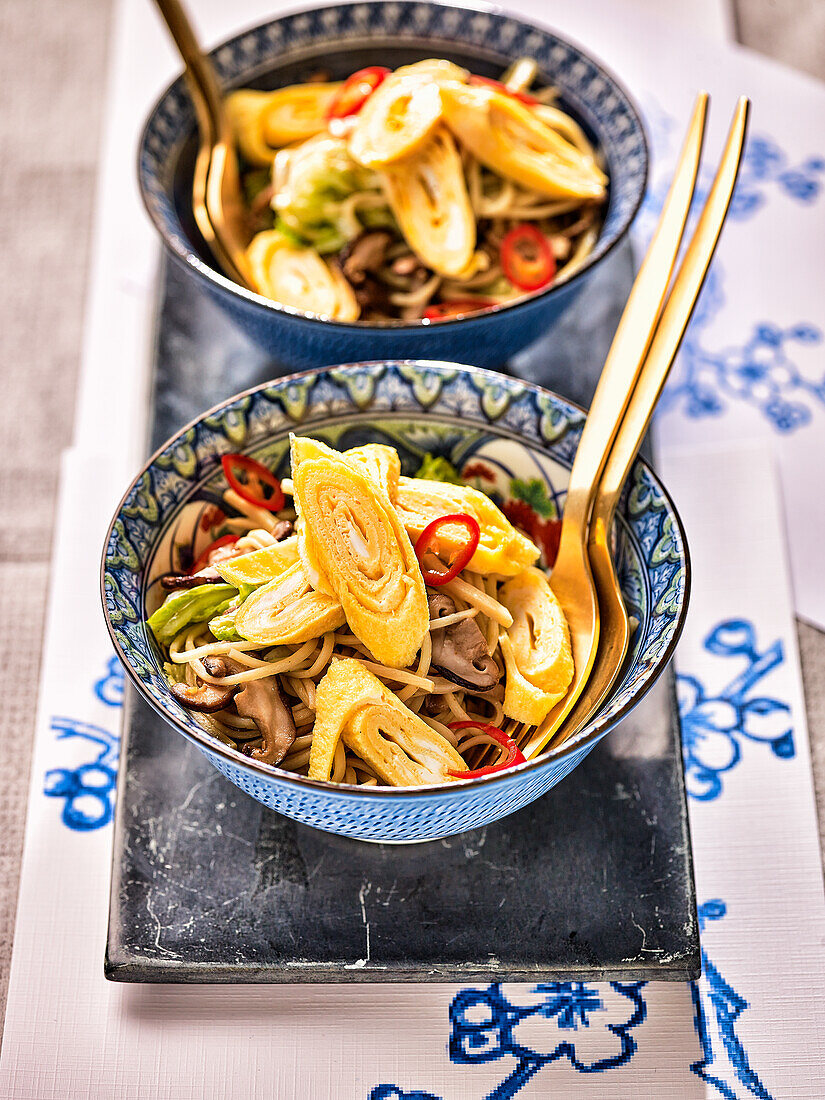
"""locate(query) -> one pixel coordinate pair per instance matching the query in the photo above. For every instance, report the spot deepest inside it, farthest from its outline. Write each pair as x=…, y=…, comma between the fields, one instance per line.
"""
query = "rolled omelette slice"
x=379, y=462
x=260, y=566
x=401, y=114
x=355, y=545
x=427, y=193
x=501, y=548
x=510, y=139
x=352, y=704
x=536, y=648
x=287, y=611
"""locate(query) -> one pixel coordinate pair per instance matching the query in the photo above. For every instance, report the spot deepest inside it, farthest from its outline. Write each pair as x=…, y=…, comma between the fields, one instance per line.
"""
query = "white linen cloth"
x=753, y=1024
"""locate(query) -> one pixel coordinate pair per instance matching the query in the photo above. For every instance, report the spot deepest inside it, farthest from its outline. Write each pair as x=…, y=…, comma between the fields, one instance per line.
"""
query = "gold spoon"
x=571, y=578
x=615, y=635
x=216, y=193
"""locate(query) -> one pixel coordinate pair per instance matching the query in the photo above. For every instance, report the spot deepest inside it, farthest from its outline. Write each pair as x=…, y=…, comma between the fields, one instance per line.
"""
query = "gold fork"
x=571, y=578
x=675, y=316
x=216, y=192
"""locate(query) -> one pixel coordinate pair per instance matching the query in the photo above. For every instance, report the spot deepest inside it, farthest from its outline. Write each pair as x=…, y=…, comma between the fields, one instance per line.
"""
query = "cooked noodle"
x=312, y=194
x=301, y=667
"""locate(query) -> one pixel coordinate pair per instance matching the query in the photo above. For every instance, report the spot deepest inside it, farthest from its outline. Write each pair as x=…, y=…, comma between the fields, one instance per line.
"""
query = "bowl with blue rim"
x=509, y=438
x=342, y=39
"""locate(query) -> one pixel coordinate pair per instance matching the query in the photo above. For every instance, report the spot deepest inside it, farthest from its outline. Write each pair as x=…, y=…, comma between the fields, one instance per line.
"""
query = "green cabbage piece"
x=223, y=626
x=318, y=176
x=190, y=605
x=175, y=674
x=438, y=468
x=253, y=182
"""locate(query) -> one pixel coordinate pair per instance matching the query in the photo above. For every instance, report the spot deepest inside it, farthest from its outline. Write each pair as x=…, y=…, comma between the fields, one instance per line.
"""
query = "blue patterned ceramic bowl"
x=509, y=437
x=341, y=39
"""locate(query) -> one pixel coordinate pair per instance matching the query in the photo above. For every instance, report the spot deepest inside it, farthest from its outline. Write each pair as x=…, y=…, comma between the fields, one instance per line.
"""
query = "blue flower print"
x=761, y=371
x=109, y=688
x=717, y=1007
x=536, y=1025
x=393, y=1092
x=88, y=790
x=714, y=726
x=765, y=164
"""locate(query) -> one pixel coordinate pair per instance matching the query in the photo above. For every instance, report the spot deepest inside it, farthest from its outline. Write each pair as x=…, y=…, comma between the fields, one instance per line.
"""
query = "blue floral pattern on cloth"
x=536, y=1025
x=393, y=1092
x=109, y=688
x=763, y=164
x=715, y=725
x=761, y=370
x=88, y=790
x=717, y=1007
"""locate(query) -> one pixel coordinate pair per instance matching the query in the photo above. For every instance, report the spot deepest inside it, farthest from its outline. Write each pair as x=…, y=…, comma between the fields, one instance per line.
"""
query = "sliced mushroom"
x=209, y=574
x=409, y=264
x=365, y=255
x=460, y=651
x=432, y=706
x=372, y=296
x=175, y=581
x=282, y=530
x=265, y=703
x=205, y=698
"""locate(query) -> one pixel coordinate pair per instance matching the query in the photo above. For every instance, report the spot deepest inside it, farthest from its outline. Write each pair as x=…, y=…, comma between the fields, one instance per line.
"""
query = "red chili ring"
x=254, y=472
x=429, y=535
x=527, y=258
x=356, y=90
x=203, y=560
x=443, y=311
x=514, y=753
x=487, y=82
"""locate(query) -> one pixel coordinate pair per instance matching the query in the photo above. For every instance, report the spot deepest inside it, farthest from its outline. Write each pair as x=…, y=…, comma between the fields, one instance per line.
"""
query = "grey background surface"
x=52, y=76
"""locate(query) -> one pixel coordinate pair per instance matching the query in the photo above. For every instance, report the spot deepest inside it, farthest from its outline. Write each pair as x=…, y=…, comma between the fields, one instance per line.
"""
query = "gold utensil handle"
x=216, y=200
x=199, y=69
x=672, y=324
x=674, y=318
x=667, y=329
x=613, y=393
x=635, y=331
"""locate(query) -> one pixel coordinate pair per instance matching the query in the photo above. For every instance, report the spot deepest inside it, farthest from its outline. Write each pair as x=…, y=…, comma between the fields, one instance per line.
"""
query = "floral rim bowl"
x=345, y=37
x=512, y=438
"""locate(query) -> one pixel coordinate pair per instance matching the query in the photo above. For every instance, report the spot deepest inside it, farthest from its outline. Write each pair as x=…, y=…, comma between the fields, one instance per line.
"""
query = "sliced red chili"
x=522, y=97
x=203, y=560
x=356, y=91
x=514, y=754
x=253, y=482
x=527, y=258
x=426, y=541
x=442, y=311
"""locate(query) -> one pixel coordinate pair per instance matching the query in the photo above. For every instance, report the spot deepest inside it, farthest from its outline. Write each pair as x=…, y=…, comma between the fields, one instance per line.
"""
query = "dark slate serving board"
x=593, y=881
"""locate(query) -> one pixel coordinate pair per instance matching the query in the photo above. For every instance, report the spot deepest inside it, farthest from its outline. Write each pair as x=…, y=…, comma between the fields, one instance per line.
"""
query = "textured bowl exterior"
x=299, y=342
x=399, y=818
x=486, y=340
x=422, y=405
